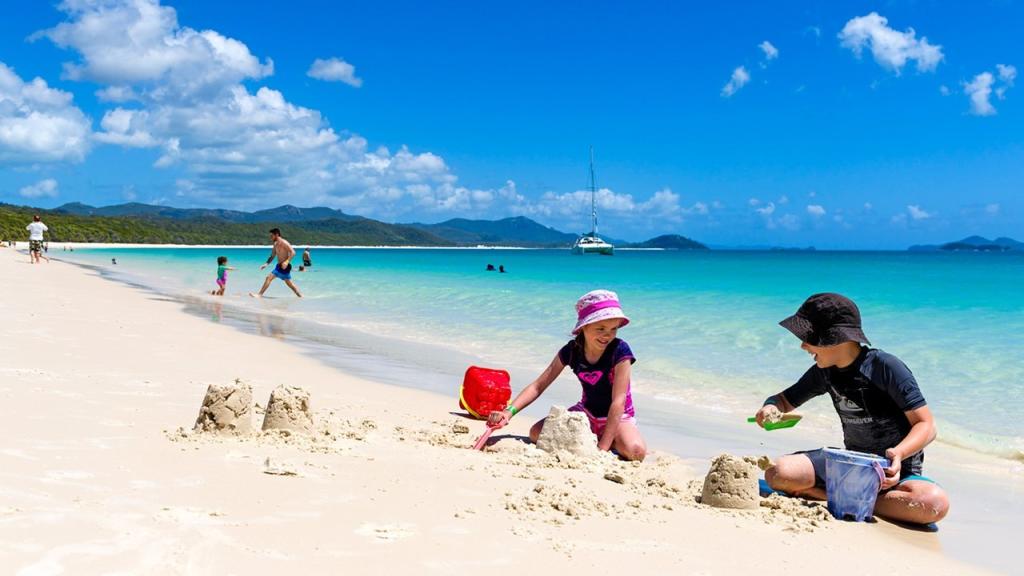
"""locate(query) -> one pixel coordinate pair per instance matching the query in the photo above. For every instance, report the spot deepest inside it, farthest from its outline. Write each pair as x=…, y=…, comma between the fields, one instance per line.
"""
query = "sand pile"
x=566, y=431
x=731, y=483
x=772, y=415
x=795, y=514
x=288, y=409
x=226, y=409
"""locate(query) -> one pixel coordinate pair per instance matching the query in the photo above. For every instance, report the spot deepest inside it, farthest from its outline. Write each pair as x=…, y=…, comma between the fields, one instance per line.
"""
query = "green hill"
x=208, y=230
x=669, y=242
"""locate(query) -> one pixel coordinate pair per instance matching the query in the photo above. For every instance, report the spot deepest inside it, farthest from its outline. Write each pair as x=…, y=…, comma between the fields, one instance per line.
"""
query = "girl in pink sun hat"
x=602, y=364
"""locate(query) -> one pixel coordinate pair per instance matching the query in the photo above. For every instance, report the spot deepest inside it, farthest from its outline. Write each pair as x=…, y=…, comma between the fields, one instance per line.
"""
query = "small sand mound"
x=288, y=409
x=566, y=431
x=772, y=415
x=731, y=483
x=226, y=409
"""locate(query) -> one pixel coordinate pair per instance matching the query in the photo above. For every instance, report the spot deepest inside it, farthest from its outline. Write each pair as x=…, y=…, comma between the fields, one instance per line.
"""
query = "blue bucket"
x=852, y=481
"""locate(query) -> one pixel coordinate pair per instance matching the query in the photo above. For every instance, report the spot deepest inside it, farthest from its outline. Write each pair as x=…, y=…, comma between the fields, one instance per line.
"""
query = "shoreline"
x=823, y=422
x=382, y=403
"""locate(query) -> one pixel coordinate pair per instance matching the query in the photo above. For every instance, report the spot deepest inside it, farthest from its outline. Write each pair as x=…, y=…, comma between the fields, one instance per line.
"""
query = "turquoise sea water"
x=704, y=323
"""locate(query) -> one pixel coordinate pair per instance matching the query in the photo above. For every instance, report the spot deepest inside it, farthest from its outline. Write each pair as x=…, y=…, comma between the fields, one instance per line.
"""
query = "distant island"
x=973, y=244
x=669, y=242
x=136, y=223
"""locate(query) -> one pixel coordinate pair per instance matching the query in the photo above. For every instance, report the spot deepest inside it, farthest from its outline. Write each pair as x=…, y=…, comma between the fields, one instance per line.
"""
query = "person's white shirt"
x=35, y=230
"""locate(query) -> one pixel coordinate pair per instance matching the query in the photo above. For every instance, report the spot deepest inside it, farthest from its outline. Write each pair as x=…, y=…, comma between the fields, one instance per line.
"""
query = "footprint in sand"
x=190, y=516
x=386, y=532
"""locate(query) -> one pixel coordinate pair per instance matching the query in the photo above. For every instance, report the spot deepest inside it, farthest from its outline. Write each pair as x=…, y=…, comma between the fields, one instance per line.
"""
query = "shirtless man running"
x=284, y=253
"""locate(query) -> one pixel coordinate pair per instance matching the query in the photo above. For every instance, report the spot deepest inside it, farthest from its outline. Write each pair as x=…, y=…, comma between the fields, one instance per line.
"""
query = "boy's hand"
x=262, y=266
x=892, y=473
x=765, y=411
x=499, y=419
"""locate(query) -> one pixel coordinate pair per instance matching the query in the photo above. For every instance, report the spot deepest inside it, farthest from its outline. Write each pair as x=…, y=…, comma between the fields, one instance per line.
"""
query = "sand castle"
x=288, y=409
x=226, y=409
x=731, y=483
x=566, y=431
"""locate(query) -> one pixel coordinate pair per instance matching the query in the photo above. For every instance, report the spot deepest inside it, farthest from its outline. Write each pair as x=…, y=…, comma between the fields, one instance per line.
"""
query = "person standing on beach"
x=307, y=260
x=879, y=405
x=35, y=239
x=284, y=253
x=603, y=364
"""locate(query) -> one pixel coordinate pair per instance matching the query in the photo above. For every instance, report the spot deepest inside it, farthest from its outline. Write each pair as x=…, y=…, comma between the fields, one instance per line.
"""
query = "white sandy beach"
x=99, y=377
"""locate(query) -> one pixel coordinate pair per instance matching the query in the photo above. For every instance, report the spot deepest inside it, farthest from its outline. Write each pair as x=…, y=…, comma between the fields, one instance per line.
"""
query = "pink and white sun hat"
x=598, y=305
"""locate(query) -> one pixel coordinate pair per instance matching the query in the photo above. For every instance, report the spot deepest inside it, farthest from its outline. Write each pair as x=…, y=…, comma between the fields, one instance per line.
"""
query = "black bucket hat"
x=826, y=319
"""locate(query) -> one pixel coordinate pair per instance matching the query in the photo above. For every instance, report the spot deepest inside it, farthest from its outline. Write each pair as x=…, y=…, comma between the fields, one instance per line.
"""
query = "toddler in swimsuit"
x=222, y=275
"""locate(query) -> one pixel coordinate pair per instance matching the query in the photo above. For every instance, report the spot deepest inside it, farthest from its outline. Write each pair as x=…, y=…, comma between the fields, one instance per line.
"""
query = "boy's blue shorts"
x=908, y=472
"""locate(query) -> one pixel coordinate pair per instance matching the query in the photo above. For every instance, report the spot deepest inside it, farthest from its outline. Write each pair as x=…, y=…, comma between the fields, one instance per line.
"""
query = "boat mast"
x=593, y=194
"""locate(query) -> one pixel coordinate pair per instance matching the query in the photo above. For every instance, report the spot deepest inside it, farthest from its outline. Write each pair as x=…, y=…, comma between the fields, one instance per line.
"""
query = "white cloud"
x=698, y=208
x=1007, y=73
x=739, y=79
x=813, y=30
x=767, y=210
x=992, y=209
x=39, y=123
x=784, y=199
x=231, y=144
x=816, y=210
x=868, y=206
x=918, y=213
x=754, y=201
x=789, y=222
x=979, y=91
x=770, y=51
x=126, y=128
x=116, y=94
x=139, y=43
x=334, y=70
x=891, y=48
x=47, y=188
x=944, y=90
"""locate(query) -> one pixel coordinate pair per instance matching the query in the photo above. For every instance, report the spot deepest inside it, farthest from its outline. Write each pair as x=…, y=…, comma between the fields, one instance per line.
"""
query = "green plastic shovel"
x=788, y=421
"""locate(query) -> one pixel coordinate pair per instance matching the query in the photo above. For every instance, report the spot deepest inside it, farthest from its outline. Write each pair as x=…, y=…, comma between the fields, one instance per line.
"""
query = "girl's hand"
x=604, y=446
x=499, y=419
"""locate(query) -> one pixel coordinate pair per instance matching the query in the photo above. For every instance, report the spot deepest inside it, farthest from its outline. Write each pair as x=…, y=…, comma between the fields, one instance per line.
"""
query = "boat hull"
x=605, y=250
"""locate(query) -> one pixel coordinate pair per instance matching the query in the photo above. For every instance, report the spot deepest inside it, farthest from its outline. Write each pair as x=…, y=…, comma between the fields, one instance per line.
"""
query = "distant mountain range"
x=518, y=230
x=286, y=213
x=973, y=244
x=147, y=223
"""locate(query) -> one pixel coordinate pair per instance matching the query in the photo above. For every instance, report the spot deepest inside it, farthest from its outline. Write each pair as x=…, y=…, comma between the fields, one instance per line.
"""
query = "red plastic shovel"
x=483, y=438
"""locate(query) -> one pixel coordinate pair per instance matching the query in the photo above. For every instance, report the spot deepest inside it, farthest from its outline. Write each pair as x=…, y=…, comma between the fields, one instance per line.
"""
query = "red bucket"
x=484, y=390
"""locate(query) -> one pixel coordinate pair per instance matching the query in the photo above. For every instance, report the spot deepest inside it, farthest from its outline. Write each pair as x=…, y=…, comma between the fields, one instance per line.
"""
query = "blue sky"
x=838, y=125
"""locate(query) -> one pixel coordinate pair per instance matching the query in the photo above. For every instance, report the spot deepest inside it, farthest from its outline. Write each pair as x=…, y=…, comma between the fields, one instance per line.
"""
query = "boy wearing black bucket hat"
x=879, y=404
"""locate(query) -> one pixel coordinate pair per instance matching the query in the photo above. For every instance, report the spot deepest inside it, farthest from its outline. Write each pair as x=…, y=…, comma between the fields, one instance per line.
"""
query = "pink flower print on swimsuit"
x=596, y=379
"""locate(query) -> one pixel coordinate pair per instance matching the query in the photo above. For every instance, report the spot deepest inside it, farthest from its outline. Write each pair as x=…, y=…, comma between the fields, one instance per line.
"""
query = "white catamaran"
x=591, y=243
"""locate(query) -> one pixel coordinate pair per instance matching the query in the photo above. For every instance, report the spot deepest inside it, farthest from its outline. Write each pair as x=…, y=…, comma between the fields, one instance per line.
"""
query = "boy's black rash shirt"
x=870, y=396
